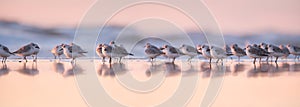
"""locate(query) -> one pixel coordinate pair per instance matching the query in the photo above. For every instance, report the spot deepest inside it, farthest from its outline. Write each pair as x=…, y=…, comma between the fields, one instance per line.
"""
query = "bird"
x=99, y=52
x=285, y=51
x=189, y=51
x=265, y=47
x=25, y=51
x=205, y=50
x=218, y=53
x=171, y=52
x=275, y=51
x=254, y=52
x=152, y=51
x=237, y=51
x=57, y=51
x=295, y=50
x=73, y=51
x=36, y=50
x=4, y=53
x=119, y=51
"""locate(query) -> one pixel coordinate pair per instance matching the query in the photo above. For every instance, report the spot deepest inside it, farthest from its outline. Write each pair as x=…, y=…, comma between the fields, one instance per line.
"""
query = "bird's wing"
x=240, y=50
x=23, y=49
x=6, y=50
x=277, y=49
x=191, y=49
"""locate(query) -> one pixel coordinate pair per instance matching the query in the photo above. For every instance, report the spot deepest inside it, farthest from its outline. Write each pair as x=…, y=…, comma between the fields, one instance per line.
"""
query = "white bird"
x=171, y=52
x=189, y=51
x=285, y=51
x=25, y=51
x=237, y=51
x=152, y=51
x=99, y=52
x=73, y=51
x=254, y=52
x=36, y=50
x=275, y=51
x=57, y=51
x=218, y=53
x=205, y=50
x=4, y=53
x=294, y=50
x=114, y=51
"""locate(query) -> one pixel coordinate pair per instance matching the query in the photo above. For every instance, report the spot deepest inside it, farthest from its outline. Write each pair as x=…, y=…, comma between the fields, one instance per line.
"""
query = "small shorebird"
x=294, y=50
x=171, y=52
x=218, y=53
x=205, y=50
x=57, y=51
x=275, y=51
x=152, y=51
x=285, y=51
x=99, y=52
x=189, y=51
x=36, y=50
x=112, y=51
x=237, y=51
x=265, y=47
x=25, y=51
x=73, y=51
x=254, y=52
x=4, y=53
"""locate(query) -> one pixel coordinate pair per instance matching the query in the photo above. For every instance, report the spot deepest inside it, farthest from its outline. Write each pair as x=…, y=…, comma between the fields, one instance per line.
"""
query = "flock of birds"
x=112, y=50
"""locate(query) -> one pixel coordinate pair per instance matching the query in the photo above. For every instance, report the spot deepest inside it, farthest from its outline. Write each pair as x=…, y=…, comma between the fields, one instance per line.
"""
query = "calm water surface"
x=139, y=83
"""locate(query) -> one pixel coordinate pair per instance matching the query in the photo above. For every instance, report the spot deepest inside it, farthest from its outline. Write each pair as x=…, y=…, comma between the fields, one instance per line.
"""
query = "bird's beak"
x=161, y=48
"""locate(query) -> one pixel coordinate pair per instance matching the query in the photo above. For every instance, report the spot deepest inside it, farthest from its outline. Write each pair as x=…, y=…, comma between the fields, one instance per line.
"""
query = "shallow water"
x=137, y=83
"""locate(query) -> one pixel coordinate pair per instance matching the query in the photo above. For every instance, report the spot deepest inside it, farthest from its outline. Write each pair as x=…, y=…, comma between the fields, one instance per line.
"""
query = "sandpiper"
x=254, y=52
x=152, y=51
x=265, y=47
x=25, y=51
x=171, y=52
x=205, y=50
x=218, y=53
x=4, y=53
x=295, y=50
x=73, y=51
x=57, y=51
x=275, y=51
x=285, y=51
x=112, y=51
x=36, y=50
x=237, y=51
x=189, y=51
x=99, y=52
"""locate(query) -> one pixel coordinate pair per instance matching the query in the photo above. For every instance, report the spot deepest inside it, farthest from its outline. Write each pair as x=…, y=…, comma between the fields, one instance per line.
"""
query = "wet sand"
x=139, y=83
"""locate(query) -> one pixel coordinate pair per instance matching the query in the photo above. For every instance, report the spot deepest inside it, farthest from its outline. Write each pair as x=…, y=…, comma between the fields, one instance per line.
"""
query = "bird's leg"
x=25, y=58
x=276, y=59
x=254, y=60
x=210, y=60
x=173, y=60
x=259, y=60
x=120, y=59
x=267, y=59
x=109, y=60
x=2, y=60
x=218, y=60
x=103, y=59
x=238, y=59
x=5, y=59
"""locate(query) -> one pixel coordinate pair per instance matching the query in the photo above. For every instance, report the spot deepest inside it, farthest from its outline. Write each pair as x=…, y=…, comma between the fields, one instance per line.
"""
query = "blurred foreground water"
x=137, y=83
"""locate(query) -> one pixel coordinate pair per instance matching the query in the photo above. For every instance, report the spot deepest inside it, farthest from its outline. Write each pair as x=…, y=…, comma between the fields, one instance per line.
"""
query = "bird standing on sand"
x=237, y=51
x=285, y=51
x=218, y=53
x=152, y=51
x=294, y=50
x=25, y=51
x=254, y=52
x=36, y=50
x=57, y=51
x=189, y=51
x=275, y=51
x=99, y=52
x=171, y=52
x=205, y=50
x=73, y=51
x=4, y=53
x=114, y=51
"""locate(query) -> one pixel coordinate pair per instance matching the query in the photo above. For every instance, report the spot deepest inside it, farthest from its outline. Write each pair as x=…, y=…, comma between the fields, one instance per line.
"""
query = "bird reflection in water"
x=190, y=71
x=4, y=70
x=31, y=71
x=171, y=69
x=58, y=67
x=112, y=69
x=74, y=70
x=205, y=68
x=264, y=70
x=154, y=68
x=237, y=68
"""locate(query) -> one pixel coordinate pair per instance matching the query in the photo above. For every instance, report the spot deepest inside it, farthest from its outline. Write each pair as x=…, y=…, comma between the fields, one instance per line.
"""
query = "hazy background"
x=49, y=22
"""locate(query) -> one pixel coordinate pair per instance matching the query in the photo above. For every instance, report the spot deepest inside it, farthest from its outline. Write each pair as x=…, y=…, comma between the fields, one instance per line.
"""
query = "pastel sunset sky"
x=233, y=16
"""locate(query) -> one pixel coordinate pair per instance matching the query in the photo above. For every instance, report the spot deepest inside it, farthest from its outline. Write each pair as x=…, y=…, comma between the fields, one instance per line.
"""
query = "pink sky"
x=233, y=16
